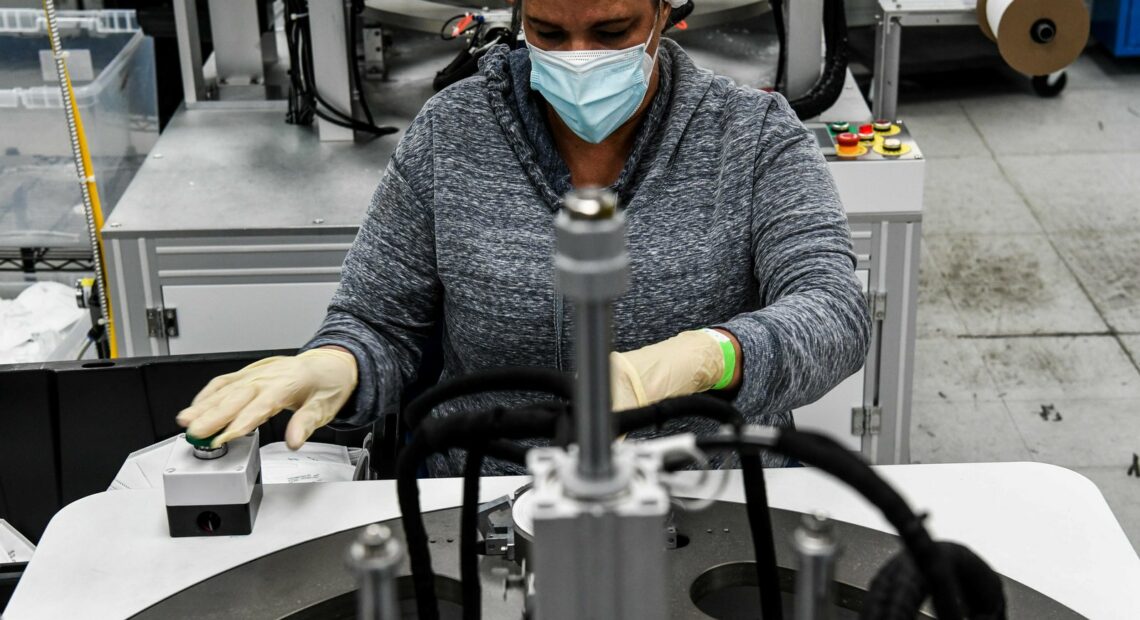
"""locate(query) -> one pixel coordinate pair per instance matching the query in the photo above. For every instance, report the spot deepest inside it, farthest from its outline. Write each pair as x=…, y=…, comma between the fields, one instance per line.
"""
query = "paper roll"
x=1036, y=37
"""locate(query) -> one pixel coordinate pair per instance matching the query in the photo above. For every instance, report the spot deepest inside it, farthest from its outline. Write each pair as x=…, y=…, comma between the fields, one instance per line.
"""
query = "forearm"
x=795, y=350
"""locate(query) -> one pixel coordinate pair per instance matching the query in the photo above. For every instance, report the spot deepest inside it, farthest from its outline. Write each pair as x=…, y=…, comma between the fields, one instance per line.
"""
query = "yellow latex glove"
x=687, y=363
x=315, y=385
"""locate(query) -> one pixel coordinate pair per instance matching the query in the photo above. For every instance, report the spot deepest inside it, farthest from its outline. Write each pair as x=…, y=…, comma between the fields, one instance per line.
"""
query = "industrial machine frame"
x=215, y=246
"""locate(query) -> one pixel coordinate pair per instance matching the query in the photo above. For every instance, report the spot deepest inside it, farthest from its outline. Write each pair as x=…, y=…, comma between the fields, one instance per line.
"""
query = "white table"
x=109, y=555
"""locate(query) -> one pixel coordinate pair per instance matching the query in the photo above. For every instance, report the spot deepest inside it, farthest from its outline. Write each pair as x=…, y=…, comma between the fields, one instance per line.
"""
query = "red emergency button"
x=866, y=132
x=848, y=144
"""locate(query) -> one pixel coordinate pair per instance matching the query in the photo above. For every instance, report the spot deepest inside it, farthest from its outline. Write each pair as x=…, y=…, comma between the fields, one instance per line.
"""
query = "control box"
x=878, y=140
x=213, y=491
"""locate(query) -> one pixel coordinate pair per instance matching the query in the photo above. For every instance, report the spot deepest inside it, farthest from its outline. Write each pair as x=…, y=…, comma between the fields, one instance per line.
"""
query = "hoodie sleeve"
x=389, y=295
x=813, y=328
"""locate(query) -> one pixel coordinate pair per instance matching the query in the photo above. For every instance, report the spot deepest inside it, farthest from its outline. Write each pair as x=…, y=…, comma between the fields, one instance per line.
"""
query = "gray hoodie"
x=733, y=221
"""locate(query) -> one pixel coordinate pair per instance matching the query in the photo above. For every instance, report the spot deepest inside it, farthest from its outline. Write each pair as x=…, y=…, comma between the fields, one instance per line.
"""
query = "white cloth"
x=34, y=324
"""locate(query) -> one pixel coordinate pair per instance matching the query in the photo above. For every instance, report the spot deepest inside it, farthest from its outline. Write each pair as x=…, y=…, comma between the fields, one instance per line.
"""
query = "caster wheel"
x=1049, y=85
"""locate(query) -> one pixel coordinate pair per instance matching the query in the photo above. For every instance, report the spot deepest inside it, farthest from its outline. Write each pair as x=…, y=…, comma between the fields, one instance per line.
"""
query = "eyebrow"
x=602, y=24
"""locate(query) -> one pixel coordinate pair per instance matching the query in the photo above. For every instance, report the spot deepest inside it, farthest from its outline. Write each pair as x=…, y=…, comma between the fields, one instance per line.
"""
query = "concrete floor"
x=1029, y=311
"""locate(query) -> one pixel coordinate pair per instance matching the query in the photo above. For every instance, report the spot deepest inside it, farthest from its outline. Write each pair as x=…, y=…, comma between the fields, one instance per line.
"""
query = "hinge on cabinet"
x=162, y=322
x=866, y=420
x=877, y=302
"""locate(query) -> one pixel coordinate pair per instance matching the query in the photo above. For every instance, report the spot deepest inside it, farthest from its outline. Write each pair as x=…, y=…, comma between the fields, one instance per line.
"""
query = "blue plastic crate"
x=1116, y=24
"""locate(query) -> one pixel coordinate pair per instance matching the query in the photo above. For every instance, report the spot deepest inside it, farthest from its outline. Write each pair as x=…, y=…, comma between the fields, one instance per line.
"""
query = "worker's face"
x=572, y=25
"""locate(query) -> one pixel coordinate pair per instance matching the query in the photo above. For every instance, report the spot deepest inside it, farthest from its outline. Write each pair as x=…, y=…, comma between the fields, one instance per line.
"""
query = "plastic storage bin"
x=112, y=69
x=1116, y=23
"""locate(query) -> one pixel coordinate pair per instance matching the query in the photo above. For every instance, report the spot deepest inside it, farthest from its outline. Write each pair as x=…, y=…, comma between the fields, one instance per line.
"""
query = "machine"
x=604, y=529
x=218, y=245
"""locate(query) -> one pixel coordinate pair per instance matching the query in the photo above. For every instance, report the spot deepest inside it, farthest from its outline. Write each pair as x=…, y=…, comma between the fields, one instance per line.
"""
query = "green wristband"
x=729, y=353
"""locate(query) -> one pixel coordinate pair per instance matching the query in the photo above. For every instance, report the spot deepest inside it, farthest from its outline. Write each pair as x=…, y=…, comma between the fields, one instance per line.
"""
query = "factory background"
x=993, y=210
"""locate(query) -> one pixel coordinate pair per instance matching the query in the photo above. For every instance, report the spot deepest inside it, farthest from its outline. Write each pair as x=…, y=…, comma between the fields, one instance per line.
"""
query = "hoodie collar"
x=520, y=113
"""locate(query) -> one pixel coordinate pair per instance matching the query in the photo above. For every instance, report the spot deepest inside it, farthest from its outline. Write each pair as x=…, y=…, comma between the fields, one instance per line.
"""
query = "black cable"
x=981, y=587
x=896, y=592
x=356, y=9
x=899, y=589
x=781, y=39
x=679, y=14
x=755, y=489
x=516, y=22
x=507, y=451
x=468, y=545
x=832, y=458
x=304, y=95
x=696, y=405
x=830, y=84
x=763, y=543
x=300, y=101
x=829, y=87
x=518, y=379
x=463, y=432
x=310, y=79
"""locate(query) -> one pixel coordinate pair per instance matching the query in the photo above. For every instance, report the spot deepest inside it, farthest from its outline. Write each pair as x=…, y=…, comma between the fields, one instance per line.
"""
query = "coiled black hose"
x=484, y=433
x=763, y=542
x=899, y=589
x=826, y=454
x=830, y=84
x=471, y=431
x=520, y=379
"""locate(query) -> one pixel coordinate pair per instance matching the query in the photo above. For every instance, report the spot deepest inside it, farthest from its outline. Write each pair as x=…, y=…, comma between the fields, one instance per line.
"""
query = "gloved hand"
x=687, y=363
x=314, y=384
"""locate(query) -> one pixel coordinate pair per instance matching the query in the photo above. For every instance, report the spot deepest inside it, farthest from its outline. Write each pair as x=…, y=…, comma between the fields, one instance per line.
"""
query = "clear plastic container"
x=41, y=204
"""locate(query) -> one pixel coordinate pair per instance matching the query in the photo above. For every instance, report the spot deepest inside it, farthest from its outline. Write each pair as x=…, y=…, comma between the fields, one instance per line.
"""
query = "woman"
x=735, y=231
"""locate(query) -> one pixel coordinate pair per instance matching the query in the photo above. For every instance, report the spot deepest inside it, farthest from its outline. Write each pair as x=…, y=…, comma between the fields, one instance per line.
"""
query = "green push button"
x=201, y=442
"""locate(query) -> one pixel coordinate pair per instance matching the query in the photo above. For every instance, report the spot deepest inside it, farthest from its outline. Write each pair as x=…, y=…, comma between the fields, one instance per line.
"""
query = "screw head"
x=318, y=220
x=170, y=470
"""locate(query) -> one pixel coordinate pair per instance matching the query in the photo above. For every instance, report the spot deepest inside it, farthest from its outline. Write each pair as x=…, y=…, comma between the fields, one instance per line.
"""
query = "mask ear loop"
x=648, y=72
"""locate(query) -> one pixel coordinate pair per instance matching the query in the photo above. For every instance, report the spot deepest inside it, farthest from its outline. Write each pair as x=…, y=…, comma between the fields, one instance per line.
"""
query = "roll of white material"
x=1036, y=37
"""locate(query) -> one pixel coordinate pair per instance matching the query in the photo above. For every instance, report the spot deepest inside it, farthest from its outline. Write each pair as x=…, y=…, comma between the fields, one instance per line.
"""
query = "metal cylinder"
x=206, y=453
x=374, y=557
x=592, y=393
x=593, y=269
x=816, y=552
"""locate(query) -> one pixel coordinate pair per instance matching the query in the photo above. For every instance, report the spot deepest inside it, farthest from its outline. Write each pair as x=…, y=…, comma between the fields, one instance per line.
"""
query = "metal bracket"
x=376, y=45
x=877, y=300
x=162, y=322
x=866, y=420
x=497, y=539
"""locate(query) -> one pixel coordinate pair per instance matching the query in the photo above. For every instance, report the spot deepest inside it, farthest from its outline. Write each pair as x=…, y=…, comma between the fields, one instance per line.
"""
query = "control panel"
x=879, y=140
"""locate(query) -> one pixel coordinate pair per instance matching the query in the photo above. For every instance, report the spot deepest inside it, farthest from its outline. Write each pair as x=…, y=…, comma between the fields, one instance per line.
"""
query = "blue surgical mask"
x=593, y=91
